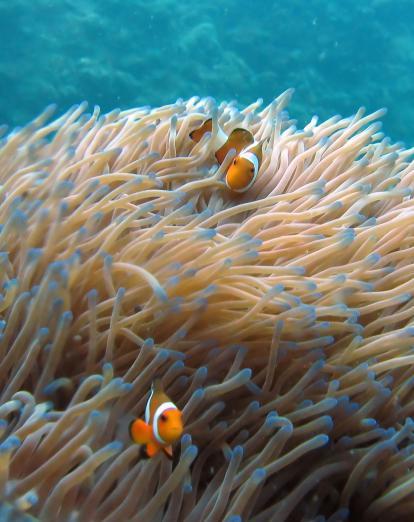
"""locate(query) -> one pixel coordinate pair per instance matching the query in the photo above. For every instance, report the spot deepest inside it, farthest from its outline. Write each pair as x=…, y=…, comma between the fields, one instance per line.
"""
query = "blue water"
x=338, y=54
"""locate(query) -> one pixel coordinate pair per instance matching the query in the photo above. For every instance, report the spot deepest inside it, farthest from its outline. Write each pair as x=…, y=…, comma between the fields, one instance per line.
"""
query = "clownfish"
x=163, y=423
x=243, y=171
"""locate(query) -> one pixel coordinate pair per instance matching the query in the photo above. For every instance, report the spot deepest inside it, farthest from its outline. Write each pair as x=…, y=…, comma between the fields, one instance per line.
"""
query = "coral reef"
x=280, y=320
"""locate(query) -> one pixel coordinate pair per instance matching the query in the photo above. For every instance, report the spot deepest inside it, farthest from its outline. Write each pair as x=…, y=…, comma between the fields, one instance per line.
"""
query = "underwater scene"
x=206, y=260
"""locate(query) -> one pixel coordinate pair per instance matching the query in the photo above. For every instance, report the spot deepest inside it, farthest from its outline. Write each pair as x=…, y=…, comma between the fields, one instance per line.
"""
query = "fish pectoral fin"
x=152, y=449
x=140, y=431
x=168, y=451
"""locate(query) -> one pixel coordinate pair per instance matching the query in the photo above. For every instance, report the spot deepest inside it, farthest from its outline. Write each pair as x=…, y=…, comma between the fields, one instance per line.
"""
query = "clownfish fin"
x=238, y=140
x=156, y=398
x=168, y=451
x=140, y=432
x=151, y=449
x=156, y=386
x=243, y=136
x=198, y=133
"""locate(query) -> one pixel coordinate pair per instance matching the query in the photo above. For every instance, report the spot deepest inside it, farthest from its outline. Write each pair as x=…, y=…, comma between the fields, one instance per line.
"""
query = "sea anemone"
x=279, y=320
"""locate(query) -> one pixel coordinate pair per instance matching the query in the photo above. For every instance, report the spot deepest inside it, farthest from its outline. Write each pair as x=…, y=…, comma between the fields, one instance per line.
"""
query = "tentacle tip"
x=95, y=416
x=369, y=423
x=373, y=258
x=191, y=452
x=298, y=270
x=186, y=439
x=259, y=475
x=115, y=446
x=233, y=518
x=199, y=393
x=245, y=374
x=323, y=439
x=238, y=451
x=107, y=367
x=10, y=444
x=127, y=387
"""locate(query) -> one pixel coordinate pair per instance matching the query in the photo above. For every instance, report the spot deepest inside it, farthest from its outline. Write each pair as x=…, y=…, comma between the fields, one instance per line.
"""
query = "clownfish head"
x=170, y=425
x=242, y=172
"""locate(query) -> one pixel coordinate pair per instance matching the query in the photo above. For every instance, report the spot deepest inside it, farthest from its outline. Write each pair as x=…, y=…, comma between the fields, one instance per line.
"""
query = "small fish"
x=163, y=423
x=242, y=172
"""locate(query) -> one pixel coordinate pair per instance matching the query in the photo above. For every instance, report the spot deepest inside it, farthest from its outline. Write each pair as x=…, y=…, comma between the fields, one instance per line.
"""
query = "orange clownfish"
x=243, y=171
x=163, y=423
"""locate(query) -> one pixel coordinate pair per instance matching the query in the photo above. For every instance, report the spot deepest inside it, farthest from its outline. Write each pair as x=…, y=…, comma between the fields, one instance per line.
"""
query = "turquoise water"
x=338, y=55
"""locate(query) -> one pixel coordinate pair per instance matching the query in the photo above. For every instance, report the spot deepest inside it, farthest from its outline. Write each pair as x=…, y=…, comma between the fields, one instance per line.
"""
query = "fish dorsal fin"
x=156, y=398
x=157, y=386
x=156, y=389
x=198, y=133
x=238, y=140
x=242, y=136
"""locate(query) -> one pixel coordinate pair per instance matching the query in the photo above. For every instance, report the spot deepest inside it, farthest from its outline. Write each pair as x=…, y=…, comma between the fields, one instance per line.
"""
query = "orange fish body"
x=162, y=426
x=242, y=172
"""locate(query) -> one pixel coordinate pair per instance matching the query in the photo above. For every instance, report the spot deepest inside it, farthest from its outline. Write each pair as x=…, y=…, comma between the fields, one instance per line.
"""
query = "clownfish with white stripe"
x=243, y=171
x=163, y=423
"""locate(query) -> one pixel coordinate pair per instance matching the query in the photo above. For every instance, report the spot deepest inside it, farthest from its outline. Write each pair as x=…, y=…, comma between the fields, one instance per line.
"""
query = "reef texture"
x=280, y=321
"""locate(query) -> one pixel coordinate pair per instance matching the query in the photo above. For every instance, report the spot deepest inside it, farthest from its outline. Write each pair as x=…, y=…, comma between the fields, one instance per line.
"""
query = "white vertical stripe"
x=253, y=159
x=158, y=412
x=249, y=156
x=147, y=408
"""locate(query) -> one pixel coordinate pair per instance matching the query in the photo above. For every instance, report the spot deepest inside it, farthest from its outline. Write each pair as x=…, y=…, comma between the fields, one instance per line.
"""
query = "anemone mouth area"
x=280, y=320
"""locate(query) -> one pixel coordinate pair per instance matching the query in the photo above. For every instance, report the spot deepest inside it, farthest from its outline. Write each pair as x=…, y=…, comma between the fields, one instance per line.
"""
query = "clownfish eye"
x=234, y=162
x=163, y=417
x=252, y=170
